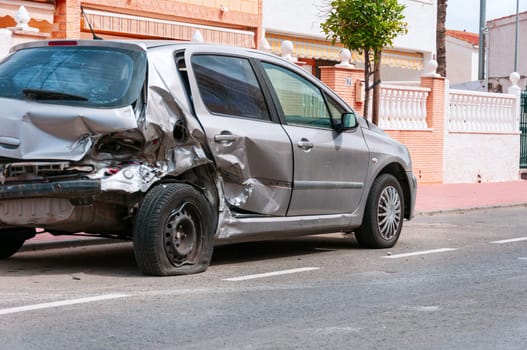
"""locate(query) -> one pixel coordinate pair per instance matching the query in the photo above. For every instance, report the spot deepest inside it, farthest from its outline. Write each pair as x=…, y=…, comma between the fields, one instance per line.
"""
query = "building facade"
x=299, y=21
x=462, y=56
x=501, y=48
x=232, y=22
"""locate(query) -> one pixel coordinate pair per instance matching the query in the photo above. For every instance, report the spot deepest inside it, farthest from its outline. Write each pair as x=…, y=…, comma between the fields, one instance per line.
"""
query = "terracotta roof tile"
x=471, y=38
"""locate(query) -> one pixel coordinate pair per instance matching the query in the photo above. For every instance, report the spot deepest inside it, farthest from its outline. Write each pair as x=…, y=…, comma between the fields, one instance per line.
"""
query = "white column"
x=6, y=39
x=516, y=90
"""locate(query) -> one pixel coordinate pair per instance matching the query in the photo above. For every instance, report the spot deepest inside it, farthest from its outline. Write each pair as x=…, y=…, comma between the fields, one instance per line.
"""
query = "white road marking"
x=425, y=252
x=271, y=274
x=512, y=240
x=13, y=310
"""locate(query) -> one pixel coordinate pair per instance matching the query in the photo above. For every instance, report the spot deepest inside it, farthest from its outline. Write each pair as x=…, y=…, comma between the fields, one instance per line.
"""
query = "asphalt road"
x=458, y=285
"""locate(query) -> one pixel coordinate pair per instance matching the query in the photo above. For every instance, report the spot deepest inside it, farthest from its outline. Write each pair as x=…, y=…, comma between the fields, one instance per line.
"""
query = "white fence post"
x=516, y=90
x=5, y=42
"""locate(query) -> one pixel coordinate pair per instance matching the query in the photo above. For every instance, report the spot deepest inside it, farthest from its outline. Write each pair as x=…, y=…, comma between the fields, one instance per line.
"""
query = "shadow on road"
x=117, y=259
x=255, y=251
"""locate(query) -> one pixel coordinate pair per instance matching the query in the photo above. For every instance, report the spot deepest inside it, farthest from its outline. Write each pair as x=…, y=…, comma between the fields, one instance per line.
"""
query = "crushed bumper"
x=60, y=189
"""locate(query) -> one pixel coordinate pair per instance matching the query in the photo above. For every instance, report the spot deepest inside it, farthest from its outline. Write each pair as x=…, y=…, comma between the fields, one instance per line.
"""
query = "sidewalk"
x=450, y=197
x=431, y=199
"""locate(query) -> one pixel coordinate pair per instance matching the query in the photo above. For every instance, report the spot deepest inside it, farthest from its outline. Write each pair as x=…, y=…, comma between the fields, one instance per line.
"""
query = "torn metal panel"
x=252, y=192
x=169, y=118
x=244, y=229
x=254, y=162
x=133, y=178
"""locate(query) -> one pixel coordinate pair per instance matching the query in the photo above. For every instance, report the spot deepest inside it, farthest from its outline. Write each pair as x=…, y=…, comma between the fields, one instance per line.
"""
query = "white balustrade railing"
x=470, y=111
x=403, y=108
x=402, y=83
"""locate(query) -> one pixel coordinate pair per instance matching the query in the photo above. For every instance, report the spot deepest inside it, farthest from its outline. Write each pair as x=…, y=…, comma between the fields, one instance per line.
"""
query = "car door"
x=252, y=152
x=330, y=167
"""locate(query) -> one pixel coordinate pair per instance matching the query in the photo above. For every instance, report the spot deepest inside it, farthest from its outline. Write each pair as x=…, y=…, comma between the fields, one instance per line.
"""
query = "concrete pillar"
x=5, y=42
x=436, y=121
x=516, y=90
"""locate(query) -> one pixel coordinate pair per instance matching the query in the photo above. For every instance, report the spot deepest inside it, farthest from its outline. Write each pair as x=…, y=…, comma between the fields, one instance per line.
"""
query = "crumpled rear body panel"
x=121, y=151
x=50, y=131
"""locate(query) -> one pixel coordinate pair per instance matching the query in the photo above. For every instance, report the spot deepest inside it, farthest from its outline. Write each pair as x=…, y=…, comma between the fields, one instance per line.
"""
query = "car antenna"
x=95, y=37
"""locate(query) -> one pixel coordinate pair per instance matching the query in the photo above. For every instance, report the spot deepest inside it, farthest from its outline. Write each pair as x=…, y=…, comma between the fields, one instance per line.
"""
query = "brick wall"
x=343, y=80
x=426, y=146
x=67, y=19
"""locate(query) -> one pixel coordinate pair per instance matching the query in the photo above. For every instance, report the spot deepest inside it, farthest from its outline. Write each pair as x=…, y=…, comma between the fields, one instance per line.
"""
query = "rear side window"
x=74, y=75
x=228, y=86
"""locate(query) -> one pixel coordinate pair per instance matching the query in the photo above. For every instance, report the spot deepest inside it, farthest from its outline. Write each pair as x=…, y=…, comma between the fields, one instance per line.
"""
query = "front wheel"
x=383, y=216
x=174, y=231
x=11, y=240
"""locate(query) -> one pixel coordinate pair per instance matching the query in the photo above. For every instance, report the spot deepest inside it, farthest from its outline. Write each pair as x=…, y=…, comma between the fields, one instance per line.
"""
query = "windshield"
x=74, y=75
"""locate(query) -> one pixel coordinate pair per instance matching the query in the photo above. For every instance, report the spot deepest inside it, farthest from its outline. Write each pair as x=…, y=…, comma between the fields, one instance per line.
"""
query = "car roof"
x=147, y=45
x=131, y=43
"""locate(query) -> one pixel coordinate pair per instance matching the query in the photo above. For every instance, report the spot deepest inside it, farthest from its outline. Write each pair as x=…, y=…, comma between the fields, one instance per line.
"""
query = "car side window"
x=335, y=109
x=302, y=101
x=228, y=86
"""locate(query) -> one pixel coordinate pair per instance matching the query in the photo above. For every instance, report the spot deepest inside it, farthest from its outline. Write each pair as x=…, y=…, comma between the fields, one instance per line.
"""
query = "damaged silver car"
x=180, y=146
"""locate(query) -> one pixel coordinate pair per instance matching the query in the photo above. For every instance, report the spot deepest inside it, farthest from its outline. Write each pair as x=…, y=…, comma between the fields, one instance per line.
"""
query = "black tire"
x=174, y=231
x=12, y=240
x=384, y=214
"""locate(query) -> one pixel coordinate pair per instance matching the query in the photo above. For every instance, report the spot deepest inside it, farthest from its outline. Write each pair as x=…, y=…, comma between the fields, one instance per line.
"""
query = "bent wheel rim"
x=183, y=235
x=389, y=213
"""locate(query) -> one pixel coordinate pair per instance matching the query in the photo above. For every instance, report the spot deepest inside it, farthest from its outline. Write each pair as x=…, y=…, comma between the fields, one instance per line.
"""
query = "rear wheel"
x=383, y=216
x=174, y=231
x=11, y=240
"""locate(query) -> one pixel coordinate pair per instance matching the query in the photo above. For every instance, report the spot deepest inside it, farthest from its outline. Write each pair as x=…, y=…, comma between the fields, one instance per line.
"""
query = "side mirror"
x=348, y=121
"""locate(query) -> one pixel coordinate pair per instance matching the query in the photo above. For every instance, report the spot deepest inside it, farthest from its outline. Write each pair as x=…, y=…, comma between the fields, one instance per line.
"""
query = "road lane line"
x=271, y=274
x=424, y=252
x=13, y=310
x=512, y=240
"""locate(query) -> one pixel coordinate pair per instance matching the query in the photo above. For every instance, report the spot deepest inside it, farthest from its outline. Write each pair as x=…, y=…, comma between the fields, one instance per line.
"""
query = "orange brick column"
x=427, y=146
x=67, y=19
x=345, y=82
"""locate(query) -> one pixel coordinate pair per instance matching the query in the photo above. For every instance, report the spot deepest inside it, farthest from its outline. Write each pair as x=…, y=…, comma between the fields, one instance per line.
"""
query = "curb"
x=462, y=210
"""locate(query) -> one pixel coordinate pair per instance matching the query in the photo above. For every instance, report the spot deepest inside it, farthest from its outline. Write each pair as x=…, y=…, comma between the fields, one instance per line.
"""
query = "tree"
x=366, y=26
x=441, y=37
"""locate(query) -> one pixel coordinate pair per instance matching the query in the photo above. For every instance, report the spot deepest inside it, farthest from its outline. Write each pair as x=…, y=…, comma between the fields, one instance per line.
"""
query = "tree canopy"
x=366, y=26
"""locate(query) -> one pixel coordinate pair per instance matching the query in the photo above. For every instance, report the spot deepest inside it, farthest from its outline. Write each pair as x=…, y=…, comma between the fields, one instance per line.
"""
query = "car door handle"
x=224, y=138
x=305, y=144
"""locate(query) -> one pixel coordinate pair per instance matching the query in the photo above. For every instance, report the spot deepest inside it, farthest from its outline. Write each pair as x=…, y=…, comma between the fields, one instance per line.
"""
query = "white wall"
x=297, y=17
x=5, y=42
x=462, y=61
x=501, y=48
x=494, y=157
x=421, y=16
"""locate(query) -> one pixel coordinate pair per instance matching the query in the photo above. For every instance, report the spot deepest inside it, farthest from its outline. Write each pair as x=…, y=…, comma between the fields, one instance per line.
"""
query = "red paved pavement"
x=444, y=197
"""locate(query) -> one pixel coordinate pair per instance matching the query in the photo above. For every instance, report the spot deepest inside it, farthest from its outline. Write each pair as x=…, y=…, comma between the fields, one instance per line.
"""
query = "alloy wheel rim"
x=389, y=213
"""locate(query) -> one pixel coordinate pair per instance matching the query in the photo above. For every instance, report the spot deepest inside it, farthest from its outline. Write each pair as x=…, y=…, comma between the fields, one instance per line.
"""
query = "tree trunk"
x=367, y=69
x=441, y=37
x=376, y=87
